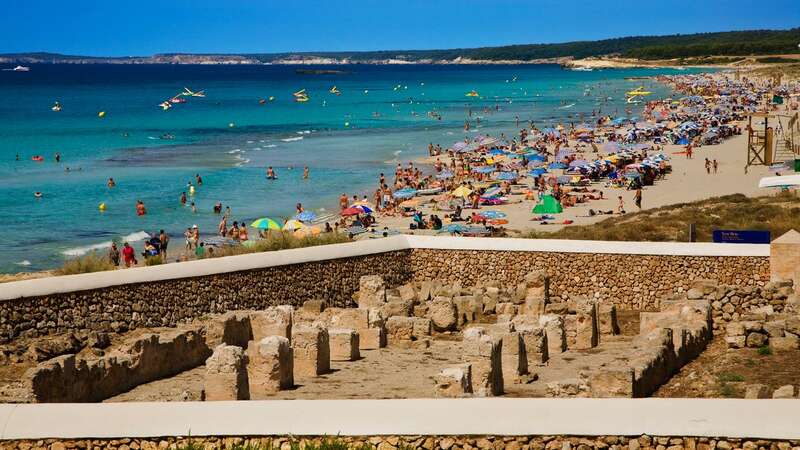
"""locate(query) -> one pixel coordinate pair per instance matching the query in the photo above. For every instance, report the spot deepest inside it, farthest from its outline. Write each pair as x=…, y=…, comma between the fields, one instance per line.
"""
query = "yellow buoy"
x=102, y=207
x=101, y=114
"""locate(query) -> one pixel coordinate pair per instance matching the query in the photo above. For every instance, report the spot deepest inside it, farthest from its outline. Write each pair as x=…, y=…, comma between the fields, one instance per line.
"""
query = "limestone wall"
x=169, y=302
x=631, y=281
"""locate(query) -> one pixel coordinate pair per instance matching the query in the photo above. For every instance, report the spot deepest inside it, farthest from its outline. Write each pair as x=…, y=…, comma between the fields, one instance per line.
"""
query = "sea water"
x=229, y=137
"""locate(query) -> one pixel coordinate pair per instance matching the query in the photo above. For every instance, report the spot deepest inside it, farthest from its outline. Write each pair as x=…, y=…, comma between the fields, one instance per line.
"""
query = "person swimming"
x=111, y=183
x=37, y=194
x=271, y=174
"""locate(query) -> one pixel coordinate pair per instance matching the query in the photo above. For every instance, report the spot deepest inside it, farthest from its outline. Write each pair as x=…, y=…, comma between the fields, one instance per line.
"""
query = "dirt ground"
x=723, y=372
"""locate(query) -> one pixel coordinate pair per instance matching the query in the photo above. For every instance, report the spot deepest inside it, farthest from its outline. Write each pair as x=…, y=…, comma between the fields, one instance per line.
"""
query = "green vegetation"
x=726, y=390
x=281, y=240
x=777, y=214
x=153, y=261
x=726, y=377
x=764, y=350
x=90, y=262
x=775, y=60
x=730, y=43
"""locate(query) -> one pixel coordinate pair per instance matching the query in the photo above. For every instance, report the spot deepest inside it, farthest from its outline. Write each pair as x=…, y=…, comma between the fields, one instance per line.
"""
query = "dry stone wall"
x=630, y=281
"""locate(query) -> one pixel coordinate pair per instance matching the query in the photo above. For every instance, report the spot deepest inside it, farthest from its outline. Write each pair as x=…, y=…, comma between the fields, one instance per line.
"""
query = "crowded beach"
x=684, y=148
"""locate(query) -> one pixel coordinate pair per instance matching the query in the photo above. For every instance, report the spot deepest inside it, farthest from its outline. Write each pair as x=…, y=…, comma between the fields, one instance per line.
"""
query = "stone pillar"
x=585, y=324
x=231, y=328
x=400, y=331
x=270, y=366
x=454, y=382
x=514, y=358
x=274, y=321
x=226, y=374
x=556, y=334
x=344, y=344
x=607, y=320
x=484, y=352
x=371, y=291
x=784, y=258
x=534, y=341
x=312, y=354
x=536, y=293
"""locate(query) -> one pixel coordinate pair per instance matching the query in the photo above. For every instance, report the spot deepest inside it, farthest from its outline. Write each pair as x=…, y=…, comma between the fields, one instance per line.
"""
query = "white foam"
x=235, y=151
x=250, y=142
x=270, y=146
x=80, y=251
x=304, y=132
x=24, y=262
x=292, y=139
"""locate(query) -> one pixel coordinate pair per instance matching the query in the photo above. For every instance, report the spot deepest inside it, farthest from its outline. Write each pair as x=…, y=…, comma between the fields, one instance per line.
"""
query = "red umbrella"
x=352, y=211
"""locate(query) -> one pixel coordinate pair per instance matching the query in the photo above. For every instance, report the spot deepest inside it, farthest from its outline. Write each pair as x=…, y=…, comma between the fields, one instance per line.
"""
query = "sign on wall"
x=741, y=236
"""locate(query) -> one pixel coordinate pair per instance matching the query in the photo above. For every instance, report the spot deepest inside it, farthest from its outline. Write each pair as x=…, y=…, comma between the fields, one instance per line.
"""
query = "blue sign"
x=741, y=236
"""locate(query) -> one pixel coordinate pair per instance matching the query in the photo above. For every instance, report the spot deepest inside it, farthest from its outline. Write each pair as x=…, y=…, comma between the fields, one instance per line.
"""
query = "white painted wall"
x=70, y=283
x=766, y=419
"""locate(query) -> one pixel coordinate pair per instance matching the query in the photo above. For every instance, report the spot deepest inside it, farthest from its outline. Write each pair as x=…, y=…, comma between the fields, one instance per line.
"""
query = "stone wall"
x=612, y=442
x=629, y=281
x=170, y=302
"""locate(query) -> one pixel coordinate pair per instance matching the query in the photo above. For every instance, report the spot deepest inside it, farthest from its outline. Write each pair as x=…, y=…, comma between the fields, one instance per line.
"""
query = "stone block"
x=607, y=383
x=275, y=321
x=756, y=340
x=755, y=391
x=586, y=336
x=407, y=293
x=226, y=374
x=484, y=352
x=312, y=354
x=51, y=346
x=736, y=341
x=783, y=344
x=344, y=344
x=422, y=327
x=371, y=292
x=607, y=319
x=400, y=330
x=556, y=333
x=398, y=307
x=556, y=308
x=270, y=366
x=372, y=338
x=506, y=308
x=442, y=313
x=454, y=382
x=784, y=258
x=786, y=391
x=534, y=341
x=315, y=306
x=231, y=328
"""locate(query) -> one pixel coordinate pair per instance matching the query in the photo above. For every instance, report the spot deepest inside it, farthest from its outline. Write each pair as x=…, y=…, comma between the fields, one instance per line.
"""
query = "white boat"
x=18, y=69
x=784, y=181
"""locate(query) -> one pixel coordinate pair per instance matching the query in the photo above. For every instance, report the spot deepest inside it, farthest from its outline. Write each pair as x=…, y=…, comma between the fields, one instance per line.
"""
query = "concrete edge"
x=88, y=281
x=765, y=419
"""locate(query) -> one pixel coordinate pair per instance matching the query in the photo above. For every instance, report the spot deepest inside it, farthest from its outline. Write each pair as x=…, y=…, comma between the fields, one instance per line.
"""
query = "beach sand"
x=688, y=182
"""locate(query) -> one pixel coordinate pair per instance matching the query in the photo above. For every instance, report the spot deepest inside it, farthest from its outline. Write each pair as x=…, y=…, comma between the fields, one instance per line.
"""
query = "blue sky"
x=144, y=27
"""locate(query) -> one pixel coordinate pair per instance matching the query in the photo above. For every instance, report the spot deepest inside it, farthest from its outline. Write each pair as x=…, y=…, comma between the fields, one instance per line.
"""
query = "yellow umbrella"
x=306, y=231
x=462, y=191
x=293, y=225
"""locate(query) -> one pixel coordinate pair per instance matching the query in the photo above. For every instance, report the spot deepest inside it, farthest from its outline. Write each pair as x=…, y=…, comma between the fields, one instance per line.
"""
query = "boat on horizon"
x=18, y=69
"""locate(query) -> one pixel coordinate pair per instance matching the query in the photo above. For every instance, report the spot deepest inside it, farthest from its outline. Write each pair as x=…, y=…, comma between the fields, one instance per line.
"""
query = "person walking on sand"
x=163, y=238
x=188, y=235
x=223, y=226
x=708, y=167
x=689, y=151
x=716, y=166
x=128, y=255
x=637, y=197
x=113, y=254
x=621, y=206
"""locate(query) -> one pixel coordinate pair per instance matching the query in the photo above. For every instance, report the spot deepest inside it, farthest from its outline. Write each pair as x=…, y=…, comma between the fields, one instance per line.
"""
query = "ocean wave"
x=270, y=146
x=236, y=150
x=24, y=262
x=80, y=251
x=292, y=139
x=304, y=132
x=256, y=148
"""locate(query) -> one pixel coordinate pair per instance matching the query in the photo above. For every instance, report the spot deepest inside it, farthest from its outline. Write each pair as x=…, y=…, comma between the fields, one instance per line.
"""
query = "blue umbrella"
x=405, y=193
x=496, y=151
x=444, y=175
x=535, y=163
x=557, y=165
x=455, y=228
x=306, y=216
x=484, y=169
x=536, y=157
x=506, y=176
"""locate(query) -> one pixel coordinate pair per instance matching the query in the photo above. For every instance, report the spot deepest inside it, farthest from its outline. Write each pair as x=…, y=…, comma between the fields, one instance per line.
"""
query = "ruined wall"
x=630, y=281
x=169, y=302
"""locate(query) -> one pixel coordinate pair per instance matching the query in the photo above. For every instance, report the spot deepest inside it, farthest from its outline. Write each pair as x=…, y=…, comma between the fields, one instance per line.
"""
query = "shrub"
x=281, y=240
x=729, y=377
x=764, y=350
x=90, y=262
x=153, y=260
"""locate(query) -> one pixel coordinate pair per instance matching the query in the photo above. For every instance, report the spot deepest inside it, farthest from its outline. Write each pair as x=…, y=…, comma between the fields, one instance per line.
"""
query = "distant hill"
x=730, y=43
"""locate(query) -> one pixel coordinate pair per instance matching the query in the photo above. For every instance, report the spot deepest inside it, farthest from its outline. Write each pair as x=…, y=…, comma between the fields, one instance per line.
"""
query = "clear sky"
x=144, y=27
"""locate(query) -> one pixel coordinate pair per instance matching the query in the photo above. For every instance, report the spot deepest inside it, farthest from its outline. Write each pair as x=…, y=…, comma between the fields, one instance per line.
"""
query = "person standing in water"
x=305, y=173
x=198, y=179
x=271, y=174
x=140, y=209
x=111, y=183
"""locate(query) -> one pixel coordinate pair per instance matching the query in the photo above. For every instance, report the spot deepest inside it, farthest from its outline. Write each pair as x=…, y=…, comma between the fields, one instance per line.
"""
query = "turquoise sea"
x=229, y=138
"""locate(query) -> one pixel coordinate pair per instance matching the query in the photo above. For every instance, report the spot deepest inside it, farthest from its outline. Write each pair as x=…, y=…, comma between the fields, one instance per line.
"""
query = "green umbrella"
x=548, y=205
x=265, y=223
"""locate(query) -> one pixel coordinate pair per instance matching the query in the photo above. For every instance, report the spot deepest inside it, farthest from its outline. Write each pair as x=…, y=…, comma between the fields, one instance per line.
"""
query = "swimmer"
x=111, y=183
x=271, y=174
x=305, y=173
x=37, y=194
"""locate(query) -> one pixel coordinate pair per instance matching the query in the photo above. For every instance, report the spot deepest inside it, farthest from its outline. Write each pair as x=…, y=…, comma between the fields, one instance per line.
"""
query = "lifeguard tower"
x=772, y=138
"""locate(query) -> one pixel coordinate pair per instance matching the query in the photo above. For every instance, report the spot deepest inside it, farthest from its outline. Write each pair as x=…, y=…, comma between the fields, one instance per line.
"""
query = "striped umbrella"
x=265, y=223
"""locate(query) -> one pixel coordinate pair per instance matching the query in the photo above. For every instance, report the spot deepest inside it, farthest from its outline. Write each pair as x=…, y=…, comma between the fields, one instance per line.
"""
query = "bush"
x=281, y=240
x=153, y=261
x=764, y=350
x=90, y=262
x=729, y=377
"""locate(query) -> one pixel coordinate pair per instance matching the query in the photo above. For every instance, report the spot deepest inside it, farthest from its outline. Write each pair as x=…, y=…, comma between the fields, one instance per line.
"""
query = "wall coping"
x=97, y=280
x=775, y=419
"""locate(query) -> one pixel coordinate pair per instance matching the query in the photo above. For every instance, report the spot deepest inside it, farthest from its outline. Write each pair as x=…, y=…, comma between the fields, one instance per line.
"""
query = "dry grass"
x=281, y=241
x=90, y=262
x=777, y=214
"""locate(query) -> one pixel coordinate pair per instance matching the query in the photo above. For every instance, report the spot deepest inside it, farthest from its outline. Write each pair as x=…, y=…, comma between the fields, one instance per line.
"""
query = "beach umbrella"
x=548, y=205
x=484, y=169
x=491, y=215
x=556, y=165
x=454, y=228
x=444, y=175
x=363, y=206
x=306, y=231
x=293, y=225
x=538, y=172
x=492, y=192
x=306, y=216
x=535, y=163
x=265, y=223
x=405, y=193
x=506, y=176
x=461, y=191
x=496, y=151
x=351, y=212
